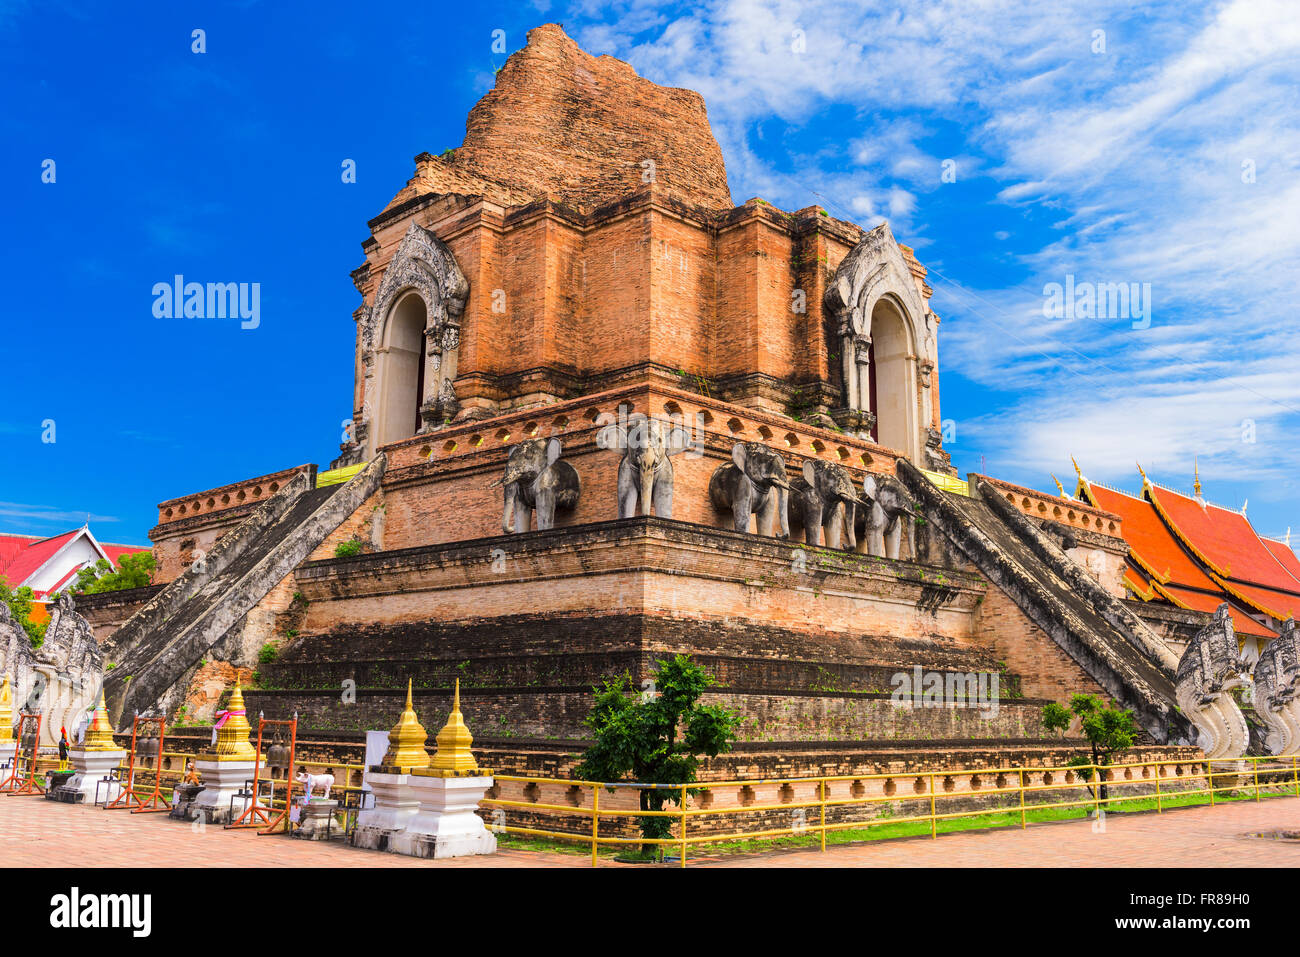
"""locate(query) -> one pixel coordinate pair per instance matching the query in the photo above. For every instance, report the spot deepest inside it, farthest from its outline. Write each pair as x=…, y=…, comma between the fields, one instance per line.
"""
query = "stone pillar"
x=449, y=791
x=862, y=357
x=226, y=765
x=390, y=781
x=92, y=762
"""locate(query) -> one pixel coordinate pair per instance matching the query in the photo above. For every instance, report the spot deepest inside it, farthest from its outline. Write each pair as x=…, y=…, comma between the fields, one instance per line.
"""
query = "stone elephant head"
x=828, y=501
x=753, y=483
x=889, y=516
x=536, y=482
x=645, y=474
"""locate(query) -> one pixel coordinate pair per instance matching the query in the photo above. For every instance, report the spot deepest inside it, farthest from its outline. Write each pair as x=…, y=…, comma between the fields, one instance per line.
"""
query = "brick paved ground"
x=35, y=832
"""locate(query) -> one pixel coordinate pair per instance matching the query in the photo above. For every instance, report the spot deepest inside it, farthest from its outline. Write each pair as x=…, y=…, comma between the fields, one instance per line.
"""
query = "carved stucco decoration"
x=873, y=270
x=1207, y=672
x=62, y=678
x=425, y=264
x=1277, y=683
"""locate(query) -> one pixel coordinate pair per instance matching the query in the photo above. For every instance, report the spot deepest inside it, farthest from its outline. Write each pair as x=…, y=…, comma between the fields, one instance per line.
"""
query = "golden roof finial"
x=1196, y=482
x=1145, y=481
x=1077, y=471
x=6, y=711
x=99, y=733
x=232, y=733
x=406, y=741
x=453, y=757
x=1059, y=487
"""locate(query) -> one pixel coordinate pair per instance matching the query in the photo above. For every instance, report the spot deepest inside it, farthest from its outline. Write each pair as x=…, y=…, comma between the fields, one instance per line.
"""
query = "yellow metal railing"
x=1285, y=774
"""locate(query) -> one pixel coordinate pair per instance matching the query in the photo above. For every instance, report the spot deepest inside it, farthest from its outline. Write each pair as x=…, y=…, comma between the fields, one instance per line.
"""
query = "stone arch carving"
x=872, y=279
x=425, y=266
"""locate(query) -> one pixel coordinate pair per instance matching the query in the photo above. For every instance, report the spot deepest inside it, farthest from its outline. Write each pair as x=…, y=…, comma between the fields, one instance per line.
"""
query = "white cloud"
x=1140, y=149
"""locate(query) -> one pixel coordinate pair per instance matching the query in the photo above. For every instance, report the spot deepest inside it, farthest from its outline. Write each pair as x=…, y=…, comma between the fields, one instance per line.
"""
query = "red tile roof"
x=1199, y=601
x=21, y=556
x=1150, y=542
x=1174, y=563
x=1224, y=540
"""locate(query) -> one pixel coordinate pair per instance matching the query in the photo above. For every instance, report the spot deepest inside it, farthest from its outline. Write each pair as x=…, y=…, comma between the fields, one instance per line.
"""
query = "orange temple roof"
x=1200, y=557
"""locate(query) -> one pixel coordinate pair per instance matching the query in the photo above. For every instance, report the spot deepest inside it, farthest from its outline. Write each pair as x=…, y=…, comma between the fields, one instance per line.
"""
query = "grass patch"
x=896, y=828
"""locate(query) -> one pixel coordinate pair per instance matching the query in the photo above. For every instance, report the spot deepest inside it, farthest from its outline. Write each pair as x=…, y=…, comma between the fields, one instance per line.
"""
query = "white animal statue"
x=1277, y=691
x=311, y=781
x=1208, y=671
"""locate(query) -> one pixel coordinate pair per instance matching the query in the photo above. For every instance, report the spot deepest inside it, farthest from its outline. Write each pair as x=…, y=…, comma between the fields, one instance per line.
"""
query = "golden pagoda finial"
x=99, y=734
x=453, y=757
x=1059, y=487
x=1196, y=482
x=1145, y=481
x=406, y=741
x=6, y=711
x=232, y=731
x=1077, y=471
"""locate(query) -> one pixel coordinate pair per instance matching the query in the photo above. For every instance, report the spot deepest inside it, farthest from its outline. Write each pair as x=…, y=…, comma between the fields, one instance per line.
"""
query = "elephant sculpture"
x=828, y=503
x=889, y=516
x=753, y=483
x=536, y=482
x=645, y=474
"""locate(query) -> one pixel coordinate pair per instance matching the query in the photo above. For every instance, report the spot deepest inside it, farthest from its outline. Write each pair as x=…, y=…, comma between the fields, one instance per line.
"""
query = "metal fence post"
x=595, y=820
x=1159, y=809
x=934, y=833
x=683, y=825
x=1256, y=766
x=1021, y=773
x=821, y=787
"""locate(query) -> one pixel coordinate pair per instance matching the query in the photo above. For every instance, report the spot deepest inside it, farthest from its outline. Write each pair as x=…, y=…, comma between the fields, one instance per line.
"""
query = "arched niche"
x=880, y=320
x=400, y=363
x=400, y=370
x=893, y=376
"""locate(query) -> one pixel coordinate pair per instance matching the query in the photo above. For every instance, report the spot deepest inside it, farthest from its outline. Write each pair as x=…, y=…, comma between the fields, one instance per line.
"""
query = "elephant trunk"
x=647, y=485
x=782, y=509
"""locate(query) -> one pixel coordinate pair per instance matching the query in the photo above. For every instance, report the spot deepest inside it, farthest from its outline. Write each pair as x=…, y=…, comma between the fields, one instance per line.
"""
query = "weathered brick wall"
x=1046, y=670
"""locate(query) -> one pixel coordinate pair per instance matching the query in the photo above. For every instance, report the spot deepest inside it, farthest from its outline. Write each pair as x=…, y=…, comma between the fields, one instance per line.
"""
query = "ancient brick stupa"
x=601, y=416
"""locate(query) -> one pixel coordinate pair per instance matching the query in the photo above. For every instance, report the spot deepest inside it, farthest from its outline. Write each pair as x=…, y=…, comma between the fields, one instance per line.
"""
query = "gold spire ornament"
x=1059, y=487
x=6, y=710
x=1196, y=481
x=99, y=733
x=406, y=741
x=453, y=759
x=232, y=732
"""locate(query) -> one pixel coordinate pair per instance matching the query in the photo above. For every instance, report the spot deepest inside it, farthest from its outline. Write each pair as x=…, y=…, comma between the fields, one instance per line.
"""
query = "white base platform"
x=445, y=825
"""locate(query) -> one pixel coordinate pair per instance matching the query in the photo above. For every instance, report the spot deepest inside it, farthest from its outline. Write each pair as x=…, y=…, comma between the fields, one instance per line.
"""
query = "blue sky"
x=1112, y=142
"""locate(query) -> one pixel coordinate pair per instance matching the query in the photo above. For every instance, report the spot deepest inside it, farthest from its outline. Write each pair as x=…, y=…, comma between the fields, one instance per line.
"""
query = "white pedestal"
x=221, y=781
x=445, y=825
x=395, y=805
x=91, y=768
x=7, y=751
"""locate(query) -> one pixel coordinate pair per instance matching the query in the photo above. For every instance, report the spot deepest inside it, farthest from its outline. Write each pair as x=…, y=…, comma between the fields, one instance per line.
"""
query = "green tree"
x=656, y=737
x=1109, y=730
x=19, y=601
x=134, y=570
